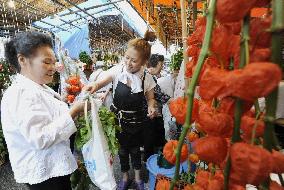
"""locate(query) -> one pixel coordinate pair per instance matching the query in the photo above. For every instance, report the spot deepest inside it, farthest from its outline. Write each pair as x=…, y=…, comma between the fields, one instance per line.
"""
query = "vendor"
x=36, y=123
x=132, y=87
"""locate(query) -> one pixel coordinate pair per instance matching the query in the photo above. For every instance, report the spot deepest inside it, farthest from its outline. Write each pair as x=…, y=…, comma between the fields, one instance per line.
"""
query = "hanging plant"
x=176, y=60
x=85, y=58
x=229, y=84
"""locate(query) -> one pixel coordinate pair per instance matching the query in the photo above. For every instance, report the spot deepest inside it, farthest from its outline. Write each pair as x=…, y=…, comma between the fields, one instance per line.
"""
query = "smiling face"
x=40, y=66
x=133, y=60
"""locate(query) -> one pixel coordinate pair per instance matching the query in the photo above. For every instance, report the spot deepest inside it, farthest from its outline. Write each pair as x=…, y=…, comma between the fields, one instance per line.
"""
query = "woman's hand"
x=78, y=107
x=103, y=96
x=151, y=112
x=92, y=88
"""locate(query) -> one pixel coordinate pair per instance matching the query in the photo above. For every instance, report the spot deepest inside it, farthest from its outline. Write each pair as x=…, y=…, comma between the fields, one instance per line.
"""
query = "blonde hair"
x=142, y=44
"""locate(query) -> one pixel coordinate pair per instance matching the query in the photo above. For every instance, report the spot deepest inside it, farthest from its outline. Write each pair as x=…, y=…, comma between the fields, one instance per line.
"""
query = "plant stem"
x=238, y=107
x=192, y=86
x=277, y=41
x=257, y=107
x=254, y=128
x=277, y=28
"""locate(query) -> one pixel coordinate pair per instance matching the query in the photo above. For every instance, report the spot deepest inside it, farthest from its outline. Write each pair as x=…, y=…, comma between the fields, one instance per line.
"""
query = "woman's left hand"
x=151, y=112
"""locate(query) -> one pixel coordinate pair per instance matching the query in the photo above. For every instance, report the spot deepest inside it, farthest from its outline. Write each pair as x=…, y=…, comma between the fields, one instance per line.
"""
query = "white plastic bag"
x=97, y=157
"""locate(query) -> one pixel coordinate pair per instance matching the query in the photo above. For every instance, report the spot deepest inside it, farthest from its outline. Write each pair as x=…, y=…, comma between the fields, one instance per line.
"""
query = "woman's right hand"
x=77, y=108
x=92, y=88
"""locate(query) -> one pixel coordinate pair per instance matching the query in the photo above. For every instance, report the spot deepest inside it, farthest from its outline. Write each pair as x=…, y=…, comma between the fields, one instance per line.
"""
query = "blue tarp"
x=78, y=42
x=75, y=39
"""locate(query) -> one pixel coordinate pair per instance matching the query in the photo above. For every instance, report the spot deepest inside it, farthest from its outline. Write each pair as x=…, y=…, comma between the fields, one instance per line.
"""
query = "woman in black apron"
x=133, y=88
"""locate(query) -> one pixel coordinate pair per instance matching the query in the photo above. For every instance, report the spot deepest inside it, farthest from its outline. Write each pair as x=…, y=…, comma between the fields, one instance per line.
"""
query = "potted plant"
x=176, y=60
x=85, y=58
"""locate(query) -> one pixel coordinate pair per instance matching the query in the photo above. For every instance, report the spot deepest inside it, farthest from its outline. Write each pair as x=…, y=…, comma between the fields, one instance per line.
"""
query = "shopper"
x=36, y=123
x=132, y=86
x=154, y=136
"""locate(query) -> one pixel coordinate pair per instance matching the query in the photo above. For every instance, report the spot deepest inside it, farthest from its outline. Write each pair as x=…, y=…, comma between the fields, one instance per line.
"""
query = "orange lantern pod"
x=247, y=125
x=189, y=66
x=211, y=149
x=250, y=164
x=232, y=10
x=234, y=27
x=216, y=124
x=163, y=184
x=255, y=80
x=259, y=36
x=219, y=42
x=169, y=151
x=192, y=136
x=178, y=109
x=213, y=83
x=202, y=178
x=75, y=89
x=215, y=185
x=73, y=80
x=193, y=158
x=70, y=98
x=198, y=35
x=227, y=105
x=277, y=161
x=260, y=55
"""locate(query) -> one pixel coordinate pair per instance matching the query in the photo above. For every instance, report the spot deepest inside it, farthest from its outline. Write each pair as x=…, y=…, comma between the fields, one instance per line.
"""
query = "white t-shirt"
x=119, y=73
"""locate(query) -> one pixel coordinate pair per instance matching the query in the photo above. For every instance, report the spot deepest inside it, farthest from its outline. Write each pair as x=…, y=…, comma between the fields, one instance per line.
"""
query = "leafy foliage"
x=84, y=132
x=85, y=58
x=110, y=127
x=176, y=60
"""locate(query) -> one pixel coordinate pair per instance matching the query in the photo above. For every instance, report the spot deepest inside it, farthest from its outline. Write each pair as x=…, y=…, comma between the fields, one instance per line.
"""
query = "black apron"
x=131, y=113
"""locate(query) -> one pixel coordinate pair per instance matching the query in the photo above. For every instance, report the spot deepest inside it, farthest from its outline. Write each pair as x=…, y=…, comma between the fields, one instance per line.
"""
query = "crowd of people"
x=37, y=123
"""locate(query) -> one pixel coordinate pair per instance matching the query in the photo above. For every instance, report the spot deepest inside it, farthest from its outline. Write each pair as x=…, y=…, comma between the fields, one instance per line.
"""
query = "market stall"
x=226, y=125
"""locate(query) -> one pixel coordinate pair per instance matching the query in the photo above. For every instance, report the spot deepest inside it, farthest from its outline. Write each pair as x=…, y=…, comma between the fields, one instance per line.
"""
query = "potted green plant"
x=176, y=60
x=85, y=58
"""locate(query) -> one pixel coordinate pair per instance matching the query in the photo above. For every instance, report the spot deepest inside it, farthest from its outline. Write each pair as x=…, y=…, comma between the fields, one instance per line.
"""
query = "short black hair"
x=154, y=60
x=25, y=43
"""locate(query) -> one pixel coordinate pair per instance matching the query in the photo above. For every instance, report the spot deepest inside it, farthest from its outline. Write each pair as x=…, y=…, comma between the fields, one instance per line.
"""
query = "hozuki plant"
x=230, y=60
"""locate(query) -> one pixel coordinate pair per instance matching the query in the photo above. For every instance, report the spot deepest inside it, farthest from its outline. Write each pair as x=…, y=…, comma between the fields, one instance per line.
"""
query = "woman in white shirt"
x=36, y=123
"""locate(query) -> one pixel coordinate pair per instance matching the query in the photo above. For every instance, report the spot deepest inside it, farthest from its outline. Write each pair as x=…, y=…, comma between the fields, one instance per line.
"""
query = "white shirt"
x=119, y=73
x=36, y=127
x=280, y=102
x=97, y=76
x=180, y=83
x=167, y=85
